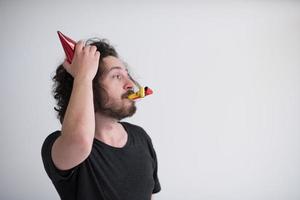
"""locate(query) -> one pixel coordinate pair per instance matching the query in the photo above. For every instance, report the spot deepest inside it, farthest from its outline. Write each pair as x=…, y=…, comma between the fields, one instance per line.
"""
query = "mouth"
x=129, y=92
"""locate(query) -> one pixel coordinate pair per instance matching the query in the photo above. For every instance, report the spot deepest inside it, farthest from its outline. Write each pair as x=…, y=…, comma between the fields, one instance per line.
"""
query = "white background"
x=224, y=116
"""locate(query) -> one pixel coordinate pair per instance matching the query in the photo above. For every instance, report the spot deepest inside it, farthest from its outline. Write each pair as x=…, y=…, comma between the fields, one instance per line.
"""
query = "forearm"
x=79, y=119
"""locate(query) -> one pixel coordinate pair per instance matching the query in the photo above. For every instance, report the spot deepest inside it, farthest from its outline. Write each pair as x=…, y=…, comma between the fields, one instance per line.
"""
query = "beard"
x=114, y=108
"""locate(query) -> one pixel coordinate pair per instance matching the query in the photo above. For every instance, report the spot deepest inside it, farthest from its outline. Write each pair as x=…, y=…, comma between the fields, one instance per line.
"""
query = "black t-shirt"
x=109, y=173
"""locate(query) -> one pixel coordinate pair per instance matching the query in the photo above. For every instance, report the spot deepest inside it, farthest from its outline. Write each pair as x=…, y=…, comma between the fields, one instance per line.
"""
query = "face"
x=116, y=85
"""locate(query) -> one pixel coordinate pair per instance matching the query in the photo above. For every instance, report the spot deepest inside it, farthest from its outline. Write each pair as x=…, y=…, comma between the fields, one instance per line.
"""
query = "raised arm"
x=78, y=127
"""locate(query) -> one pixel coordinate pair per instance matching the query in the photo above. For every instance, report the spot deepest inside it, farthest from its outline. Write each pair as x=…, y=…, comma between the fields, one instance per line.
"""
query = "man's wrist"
x=83, y=80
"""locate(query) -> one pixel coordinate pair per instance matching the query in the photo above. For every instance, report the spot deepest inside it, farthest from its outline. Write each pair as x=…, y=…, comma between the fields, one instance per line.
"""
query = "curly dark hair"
x=63, y=81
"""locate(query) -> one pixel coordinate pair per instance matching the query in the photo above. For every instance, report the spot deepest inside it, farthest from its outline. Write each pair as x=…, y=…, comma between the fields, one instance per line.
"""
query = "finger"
x=79, y=45
x=97, y=54
x=93, y=49
x=87, y=48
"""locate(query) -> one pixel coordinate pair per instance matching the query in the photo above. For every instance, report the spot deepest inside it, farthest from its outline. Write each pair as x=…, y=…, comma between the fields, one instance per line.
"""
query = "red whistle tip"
x=148, y=91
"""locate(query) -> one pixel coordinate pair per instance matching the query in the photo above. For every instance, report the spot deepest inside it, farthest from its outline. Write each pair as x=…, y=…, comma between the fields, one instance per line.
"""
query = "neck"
x=108, y=129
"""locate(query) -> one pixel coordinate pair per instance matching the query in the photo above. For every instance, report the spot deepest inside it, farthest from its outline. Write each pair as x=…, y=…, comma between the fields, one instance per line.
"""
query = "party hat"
x=68, y=45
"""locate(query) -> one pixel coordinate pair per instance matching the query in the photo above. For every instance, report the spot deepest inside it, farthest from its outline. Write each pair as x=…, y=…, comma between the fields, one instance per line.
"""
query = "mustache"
x=129, y=92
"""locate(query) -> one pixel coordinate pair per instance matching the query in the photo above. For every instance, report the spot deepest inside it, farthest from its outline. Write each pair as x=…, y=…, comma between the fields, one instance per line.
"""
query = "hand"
x=85, y=62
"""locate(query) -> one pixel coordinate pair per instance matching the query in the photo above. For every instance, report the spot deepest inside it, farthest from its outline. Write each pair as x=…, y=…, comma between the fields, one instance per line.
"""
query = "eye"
x=117, y=76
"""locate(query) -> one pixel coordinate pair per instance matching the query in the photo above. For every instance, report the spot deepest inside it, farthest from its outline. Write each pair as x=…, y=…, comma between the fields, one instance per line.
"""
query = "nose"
x=129, y=85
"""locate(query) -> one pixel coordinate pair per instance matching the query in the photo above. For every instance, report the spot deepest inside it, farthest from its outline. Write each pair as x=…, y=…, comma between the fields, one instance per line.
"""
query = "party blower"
x=69, y=47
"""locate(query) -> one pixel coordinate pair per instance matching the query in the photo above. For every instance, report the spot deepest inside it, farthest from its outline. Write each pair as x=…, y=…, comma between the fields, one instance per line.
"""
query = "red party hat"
x=68, y=45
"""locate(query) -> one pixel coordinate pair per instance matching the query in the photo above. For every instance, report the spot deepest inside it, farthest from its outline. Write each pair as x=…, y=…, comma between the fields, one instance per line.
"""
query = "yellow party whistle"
x=143, y=91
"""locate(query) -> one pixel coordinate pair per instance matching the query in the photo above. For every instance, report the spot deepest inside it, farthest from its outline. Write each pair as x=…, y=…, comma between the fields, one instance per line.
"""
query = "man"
x=95, y=155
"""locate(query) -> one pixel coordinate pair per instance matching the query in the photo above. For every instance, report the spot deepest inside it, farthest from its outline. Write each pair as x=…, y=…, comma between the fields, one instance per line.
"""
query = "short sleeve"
x=157, y=186
x=55, y=174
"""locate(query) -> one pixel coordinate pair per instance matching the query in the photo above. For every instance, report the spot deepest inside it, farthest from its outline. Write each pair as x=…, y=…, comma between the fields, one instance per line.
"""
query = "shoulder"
x=137, y=131
x=54, y=174
x=48, y=143
x=135, y=128
x=52, y=137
